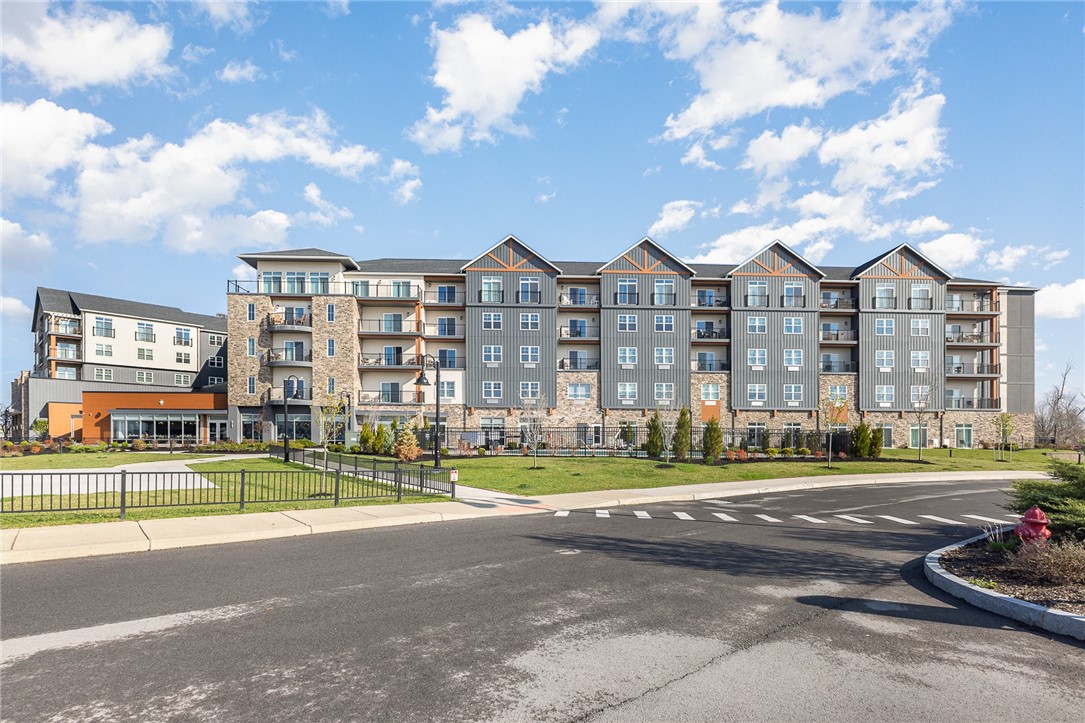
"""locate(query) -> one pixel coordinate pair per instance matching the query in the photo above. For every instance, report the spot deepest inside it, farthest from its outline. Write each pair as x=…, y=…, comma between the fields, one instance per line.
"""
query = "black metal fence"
x=405, y=477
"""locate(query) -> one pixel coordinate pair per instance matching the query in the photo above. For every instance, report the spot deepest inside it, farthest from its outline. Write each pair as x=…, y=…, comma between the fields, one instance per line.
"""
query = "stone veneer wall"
x=239, y=364
x=343, y=367
x=941, y=427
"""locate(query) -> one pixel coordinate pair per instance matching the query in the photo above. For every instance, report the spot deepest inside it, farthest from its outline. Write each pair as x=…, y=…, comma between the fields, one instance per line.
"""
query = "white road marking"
x=981, y=518
x=602, y=513
x=1014, y=517
x=766, y=518
x=943, y=520
x=725, y=518
x=808, y=518
x=898, y=520
x=856, y=520
x=642, y=515
x=561, y=513
x=683, y=515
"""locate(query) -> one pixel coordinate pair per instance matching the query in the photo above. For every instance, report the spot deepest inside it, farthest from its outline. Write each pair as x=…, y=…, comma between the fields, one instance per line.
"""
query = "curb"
x=1049, y=619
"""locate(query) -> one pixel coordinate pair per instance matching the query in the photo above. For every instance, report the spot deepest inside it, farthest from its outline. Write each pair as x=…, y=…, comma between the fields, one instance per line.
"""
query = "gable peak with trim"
x=510, y=254
x=777, y=259
x=646, y=256
x=902, y=262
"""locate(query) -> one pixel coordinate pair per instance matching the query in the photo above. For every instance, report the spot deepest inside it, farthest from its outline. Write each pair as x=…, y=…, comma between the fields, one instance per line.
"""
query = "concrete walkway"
x=34, y=544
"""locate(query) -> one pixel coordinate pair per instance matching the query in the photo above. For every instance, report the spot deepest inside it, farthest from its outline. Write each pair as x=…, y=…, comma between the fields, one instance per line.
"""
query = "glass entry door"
x=216, y=431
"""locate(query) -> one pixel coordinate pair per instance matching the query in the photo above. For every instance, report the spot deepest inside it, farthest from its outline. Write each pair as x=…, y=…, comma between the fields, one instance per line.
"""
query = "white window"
x=182, y=380
x=883, y=327
x=529, y=290
x=491, y=390
x=579, y=390
x=921, y=393
x=757, y=324
x=183, y=357
x=331, y=313
x=529, y=322
x=758, y=293
x=792, y=324
x=627, y=355
x=664, y=355
x=884, y=393
x=251, y=386
x=710, y=392
x=331, y=347
x=491, y=290
x=664, y=322
x=103, y=350
x=627, y=322
x=182, y=336
x=627, y=292
x=216, y=339
x=838, y=392
x=144, y=353
x=214, y=362
x=664, y=292
x=793, y=295
x=491, y=354
x=792, y=392
x=664, y=391
x=757, y=357
x=792, y=357
x=627, y=390
x=215, y=380
x=447, y=390
x=252, y=312
x=145, y=377
x=921, y=360
x=251, y=348
x=756, y=392
x=529, y=355
x=884, y=358
x=331, y=380
x=921, y=327
x=491, y=320
x=102, y=374
x=529, y=390
x=65, y=373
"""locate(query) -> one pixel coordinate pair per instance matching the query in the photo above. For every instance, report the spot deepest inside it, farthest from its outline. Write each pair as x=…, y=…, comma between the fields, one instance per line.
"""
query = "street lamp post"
x=286, y=413
x=428, y=359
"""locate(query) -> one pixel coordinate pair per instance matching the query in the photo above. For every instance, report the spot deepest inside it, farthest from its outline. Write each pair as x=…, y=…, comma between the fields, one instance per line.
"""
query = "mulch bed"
x=975, y=562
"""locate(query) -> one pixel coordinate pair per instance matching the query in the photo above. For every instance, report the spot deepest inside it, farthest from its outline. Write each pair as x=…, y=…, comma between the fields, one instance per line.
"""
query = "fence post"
x=124, y=492
x=337, y=488
x=242, y=501
x=399, y=481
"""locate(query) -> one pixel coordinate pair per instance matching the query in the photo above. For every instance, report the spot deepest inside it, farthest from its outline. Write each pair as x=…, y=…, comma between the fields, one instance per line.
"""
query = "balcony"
x=444, y=331
x=567, y=333
x=709, y=302
x=839, y=367
x=65, y=354
x=389, y=327
x=980, y=403
x=969, y=369
x=578, y=364
x=390, y=293
x=757, y=300
x=390, y=360
x=182, y=341
x=884, y=302
x=846, y=336
x=105, y=331
x=445, y=298
x=145, y=336
x=275, y=395
x=71, y=329
x=578, y=300
x=708, y=334
x=290, y=322
x=968, y=306
x=626, y=298
x=298, y=287
x=664, y=299
x=968, y=337
x=391, y=396
x=843, y=303
x=287, y=357
x=920, y=304
x=490, y=296
x=528, y=297
x=793, y=302
x=715, y=365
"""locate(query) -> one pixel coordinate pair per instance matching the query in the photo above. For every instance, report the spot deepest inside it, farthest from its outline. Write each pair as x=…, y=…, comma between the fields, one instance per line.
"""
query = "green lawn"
x=584, y=474
x=87, y=460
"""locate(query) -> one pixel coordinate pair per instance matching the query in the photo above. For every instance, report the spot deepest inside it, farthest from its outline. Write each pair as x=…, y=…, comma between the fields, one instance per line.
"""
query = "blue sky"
x=145, y=144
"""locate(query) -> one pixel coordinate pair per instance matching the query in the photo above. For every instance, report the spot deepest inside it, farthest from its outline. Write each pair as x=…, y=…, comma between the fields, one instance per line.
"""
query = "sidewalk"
x=35, y=544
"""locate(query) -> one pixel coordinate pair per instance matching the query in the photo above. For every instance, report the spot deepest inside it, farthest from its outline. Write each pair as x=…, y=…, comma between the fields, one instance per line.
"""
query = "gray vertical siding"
x=1020, y=349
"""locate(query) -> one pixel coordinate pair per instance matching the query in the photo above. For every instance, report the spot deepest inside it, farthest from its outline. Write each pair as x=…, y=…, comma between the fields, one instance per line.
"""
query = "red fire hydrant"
x=1033, y=527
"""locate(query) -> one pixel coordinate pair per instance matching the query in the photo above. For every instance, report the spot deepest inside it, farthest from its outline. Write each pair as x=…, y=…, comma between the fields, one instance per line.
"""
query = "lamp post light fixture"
x=350, y=410
x=422, y=381
x=286, y=412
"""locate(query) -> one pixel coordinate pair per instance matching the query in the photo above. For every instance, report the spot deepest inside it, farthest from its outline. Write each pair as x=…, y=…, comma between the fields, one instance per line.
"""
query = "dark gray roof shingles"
x=74, y=302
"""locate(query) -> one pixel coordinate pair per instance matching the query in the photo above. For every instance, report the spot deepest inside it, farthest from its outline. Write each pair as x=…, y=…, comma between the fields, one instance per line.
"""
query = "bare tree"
x=669, y=426
x=7, y=421
x=926, y=404
x=1061, y=413
x=835, y=410
x=533, y=414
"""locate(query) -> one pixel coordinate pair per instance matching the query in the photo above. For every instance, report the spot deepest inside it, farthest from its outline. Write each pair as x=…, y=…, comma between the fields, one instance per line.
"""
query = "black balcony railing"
x=710, y=365
x=389, y=326
x=968, y=337
x=793, y=302
x=528, y=297
x=980, y=403
x=660, y=298
x=578, y=364
x=968, y=305
x=145, y=336
x=709, y=333
x=970, y=368
x=839, y=302
x=288, y=356
x=838, y=367
x=757, y=299
x=275, y=395
x=491, y=296
x=387, y=292
x=182, y=341
x=295, y=321
x=65, y=329
x=389, y=359
x=578, y=332
x=65, y=354
x=920, y=304
x=626, y=298
x=391, y=396
x=453, y=298
x=446, y=330
x=846, y=335
x=711, y=301
x=578, y=299
x=885, y=302
x=106, y=331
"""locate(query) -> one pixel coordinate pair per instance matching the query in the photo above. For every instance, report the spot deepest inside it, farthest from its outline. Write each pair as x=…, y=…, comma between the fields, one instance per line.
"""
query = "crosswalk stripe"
x=725, y=518
x=766, y=518
x=1014, y=517
x=683, y=515
x=857, y=520
x=808, y=518
x=602, y=513
x=981, y=518
x=898, y=520
x=642, y=515
x=943, y=520
x=561, y=513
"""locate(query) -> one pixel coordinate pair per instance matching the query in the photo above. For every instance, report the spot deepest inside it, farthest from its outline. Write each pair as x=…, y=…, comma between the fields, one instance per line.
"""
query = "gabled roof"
x=659, y=248
x=785, y=247
x=505, y=240
x=863, y=268
x=306, y=253
x=56, y=301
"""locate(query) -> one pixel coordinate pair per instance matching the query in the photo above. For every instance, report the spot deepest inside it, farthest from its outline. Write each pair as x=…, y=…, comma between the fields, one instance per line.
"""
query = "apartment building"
x=758, y=345
x=90, y=343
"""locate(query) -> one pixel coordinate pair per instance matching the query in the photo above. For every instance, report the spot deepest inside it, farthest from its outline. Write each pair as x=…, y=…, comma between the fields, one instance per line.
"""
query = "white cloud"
x=713, y=212
x=237, y=71
x=674, y=216
x=770, y=154
x=243, y=272
x=816, y=251
x=65, y=47
x=195, y=53
x=41, y=139
x=736, y=246
x=228, y=13
x=1051, y=259
x=23, y=250
x=14, y=311
x=326, y=212
x=651, y=171
x=927, y=224
x=1009, y=257
x=953, y=250
x=561, y=116
x=696, y=156
x=405, y=175
x=485, y=74
x=337, y=8
x=545, y=197
x=193, y=233
x=1056, y=301
x=285, y=55
x=407, y=191
x=741, y=207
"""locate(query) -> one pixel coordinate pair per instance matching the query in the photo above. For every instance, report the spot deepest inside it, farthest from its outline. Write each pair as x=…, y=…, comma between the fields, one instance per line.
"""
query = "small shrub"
x=804, y=451
x=772, y=452
x=985, y=444
x=355, y=449
x=35, y=448
x=712, y=442
x=336, y=447
x=787, y=452
x=842, y=456
x=139, y=445
x=1062, y=498
x=819, y=454
x=654, y=445
x=877, y=437
x=730, y=454
x=860, y=440
x=481, y=451
x=444, y=451
x=683, y=430
x=406, y=448
x=742, y=455
x=1058, y=563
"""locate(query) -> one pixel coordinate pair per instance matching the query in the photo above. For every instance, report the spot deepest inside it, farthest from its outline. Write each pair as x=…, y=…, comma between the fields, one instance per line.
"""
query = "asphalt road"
x=650, y=617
